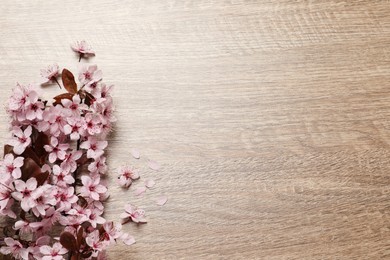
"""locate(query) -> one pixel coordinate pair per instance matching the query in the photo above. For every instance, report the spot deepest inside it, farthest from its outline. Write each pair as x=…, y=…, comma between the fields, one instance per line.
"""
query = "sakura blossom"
x=127, y=175
x=89, y=75
x=52, y=173
x=56, y=150
x=91, y=187
x=11, y=165
x=82, y=47
x=134, y=214
x=94, y=147
x=54, y=252
x=50, y=73
x=21, y=139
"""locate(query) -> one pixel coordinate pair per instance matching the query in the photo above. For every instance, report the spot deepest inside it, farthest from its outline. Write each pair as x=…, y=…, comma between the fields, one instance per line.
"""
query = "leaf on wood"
x=68, y=241
x=61, y=97
x=41, y=177
x=82, y=202
x=29, y=169
x=30, y=153
x=89, y=99
x=8, y=149
x=41, y=140
x=68, y=81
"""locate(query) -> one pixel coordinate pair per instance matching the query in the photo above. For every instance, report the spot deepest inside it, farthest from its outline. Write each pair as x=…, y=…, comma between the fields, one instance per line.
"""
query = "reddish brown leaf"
x=68, y=241
x=30, y=169
x=68, y=81
x=80, y=237
x=8, y=149
x=89, y=99
x=41, y=177
x=61, y=97
x=39, y=144
x=82, y=202
x=29, y=153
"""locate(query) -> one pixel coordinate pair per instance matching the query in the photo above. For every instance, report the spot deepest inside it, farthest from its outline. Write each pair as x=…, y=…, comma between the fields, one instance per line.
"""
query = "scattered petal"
x=129, y=240
x=149, y=183
x=140, y=190
x=135, y=153
x=162, y=200
x=154, y=165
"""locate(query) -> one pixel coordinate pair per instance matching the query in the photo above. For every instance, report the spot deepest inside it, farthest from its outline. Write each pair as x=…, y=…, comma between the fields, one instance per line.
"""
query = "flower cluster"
x=43, y=182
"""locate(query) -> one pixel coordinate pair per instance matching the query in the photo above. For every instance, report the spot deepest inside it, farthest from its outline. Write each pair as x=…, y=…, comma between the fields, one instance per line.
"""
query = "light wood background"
x=270, y=118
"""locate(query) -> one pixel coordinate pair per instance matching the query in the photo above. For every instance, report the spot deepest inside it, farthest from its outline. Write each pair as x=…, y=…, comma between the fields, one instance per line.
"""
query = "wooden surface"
x=270, y=118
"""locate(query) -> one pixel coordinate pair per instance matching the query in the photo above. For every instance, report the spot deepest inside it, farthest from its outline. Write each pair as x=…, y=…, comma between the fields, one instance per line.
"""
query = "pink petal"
x=135, y=153
x=149, y=183
x=162, y=200
x=154, y=165
x=138, y=191
x=129, y=240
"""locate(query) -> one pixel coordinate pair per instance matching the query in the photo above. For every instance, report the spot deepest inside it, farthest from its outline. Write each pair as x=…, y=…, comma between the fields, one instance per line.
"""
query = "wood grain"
x=270, y=118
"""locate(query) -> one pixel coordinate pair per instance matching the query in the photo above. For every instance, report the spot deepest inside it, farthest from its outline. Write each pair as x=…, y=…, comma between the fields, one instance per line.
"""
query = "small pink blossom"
x=65, y=198
x=21, y=139
x=34, y=109
x=93, y=240
x=94, y=216
x=50, y=73
x=126, y=176
x=70, y=161
x=82, y=47
x=56, y=116
x=55, y=252
x=89, y=75
x=15, y=248
x=92, y=187
x=26, y=193
x=23, y=227
x=94, y=147
x=93, y=123
x=98, y=166
x=74, y=105
x=11, y=165
x=62, y=177
x=56, y=150
x=134, y=214
x=75, y=128
x=6, y=189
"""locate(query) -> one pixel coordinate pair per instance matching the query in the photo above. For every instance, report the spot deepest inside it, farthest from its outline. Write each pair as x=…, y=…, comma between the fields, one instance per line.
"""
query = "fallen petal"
x=162, y=200
x=154, y=165
x=129, y=240
x=149, y=183
x=138, y=191
x=135, y=153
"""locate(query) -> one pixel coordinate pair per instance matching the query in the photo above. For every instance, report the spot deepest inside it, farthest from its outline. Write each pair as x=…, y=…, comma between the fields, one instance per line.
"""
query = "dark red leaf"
x=8, y=149
x=61, y=97
x=89, y=99
x=41, y=177
x=30, y=153
x=68, y=81
x=29, y=169
x=82, y=202
x=68, y=241
x=86, y=255
x=39, y=144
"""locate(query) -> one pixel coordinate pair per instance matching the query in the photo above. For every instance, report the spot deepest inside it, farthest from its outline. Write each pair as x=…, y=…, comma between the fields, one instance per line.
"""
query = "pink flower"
x=53, y=253
x=126, y=176
x=89, y=75
x=62, y=177
x=98, y=166
x=44, y=199
x=70, y=161
x=65, y=198
x=7, y=210
x=15, y=248
x=94, y=147
x=134, y=214
x=94, y=216
x=112, y=232
x=21, y=139
x=93, y=123
x=56, y=150
x=35, y=107
x=11, y=165
x=82, y=47
x=6, y=189
x=75, y=128
x=74, y=105
x=50, y=73
x=23, y=227
x=93, y=240
x=56, y=116
x=92, y=187
x=25, y=193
